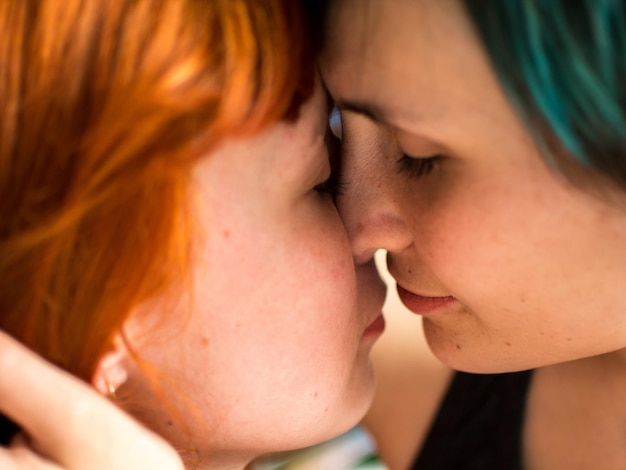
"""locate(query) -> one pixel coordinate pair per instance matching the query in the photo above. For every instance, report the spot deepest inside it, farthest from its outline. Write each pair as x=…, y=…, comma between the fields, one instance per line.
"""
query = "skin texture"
x=56, y=433
x=530, y=259
x=275, y=340
x=491, y=225
x=530, y=262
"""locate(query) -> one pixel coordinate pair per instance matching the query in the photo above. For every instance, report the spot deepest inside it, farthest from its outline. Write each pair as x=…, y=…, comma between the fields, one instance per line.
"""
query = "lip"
x=423, y=305
x=376, y=328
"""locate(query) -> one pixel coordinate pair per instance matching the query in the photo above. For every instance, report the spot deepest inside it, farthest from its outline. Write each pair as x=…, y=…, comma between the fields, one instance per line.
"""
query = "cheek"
x=325, y=266
x=285, y=304
x=318, y=302
x=480, y=244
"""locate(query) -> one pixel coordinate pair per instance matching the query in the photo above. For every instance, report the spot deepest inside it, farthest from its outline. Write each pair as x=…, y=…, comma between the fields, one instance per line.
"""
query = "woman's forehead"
x=411, y=59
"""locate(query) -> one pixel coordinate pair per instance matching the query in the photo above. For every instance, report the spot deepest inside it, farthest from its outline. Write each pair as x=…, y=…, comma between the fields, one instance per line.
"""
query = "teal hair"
x=563, y=65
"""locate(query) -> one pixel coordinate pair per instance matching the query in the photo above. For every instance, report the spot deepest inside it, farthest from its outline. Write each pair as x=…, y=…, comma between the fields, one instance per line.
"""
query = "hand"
x=66, y=424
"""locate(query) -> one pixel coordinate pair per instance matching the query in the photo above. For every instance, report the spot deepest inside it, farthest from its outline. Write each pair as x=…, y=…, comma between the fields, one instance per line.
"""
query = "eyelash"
x=331, y=186
x=417, y=167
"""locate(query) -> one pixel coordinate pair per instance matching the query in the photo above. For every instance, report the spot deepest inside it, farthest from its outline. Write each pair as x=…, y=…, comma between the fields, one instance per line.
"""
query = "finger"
x=71, y=424
x=35, y=392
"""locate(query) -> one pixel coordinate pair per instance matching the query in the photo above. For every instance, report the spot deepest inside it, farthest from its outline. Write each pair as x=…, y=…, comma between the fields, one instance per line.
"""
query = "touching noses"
x=371, y=202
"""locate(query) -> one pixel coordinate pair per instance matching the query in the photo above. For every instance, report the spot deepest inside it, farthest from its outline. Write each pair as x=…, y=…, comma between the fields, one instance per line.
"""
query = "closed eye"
x=331, y=186
x=417, y=167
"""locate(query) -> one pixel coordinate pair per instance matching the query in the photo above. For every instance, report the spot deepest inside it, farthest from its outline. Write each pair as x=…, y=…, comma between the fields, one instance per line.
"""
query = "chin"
x=468, y=355
x=354, y=405
x=478, y=359
x=327, y=419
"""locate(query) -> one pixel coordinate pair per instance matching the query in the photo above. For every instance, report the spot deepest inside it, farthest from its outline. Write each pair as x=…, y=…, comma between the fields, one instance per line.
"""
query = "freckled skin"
x=278, y=311
x=527, y=254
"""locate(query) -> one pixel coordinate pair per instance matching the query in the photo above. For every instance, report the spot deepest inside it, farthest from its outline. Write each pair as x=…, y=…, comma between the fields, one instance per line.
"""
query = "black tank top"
x=479, y=424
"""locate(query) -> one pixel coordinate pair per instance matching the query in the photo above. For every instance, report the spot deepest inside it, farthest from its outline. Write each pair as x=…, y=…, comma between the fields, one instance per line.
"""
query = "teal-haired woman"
x=484, y=147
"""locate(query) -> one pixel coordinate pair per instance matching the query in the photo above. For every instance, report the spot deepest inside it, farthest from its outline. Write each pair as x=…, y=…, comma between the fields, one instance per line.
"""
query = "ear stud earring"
x=110, y=389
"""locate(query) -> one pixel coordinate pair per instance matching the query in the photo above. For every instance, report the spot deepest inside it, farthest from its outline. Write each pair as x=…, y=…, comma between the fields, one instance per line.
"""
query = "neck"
x=577, y=405
x=605, y=372
x=619, y=357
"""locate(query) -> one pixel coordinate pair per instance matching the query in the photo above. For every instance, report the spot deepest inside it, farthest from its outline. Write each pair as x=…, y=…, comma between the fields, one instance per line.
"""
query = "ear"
x=111, y=372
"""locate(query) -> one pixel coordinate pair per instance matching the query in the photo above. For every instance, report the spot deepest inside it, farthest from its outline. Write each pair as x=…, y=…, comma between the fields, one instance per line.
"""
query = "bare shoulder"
x=410, y=385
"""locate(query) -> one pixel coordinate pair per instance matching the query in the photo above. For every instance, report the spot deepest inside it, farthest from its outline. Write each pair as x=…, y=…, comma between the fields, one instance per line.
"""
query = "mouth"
x=376, y=328
x=423, y=305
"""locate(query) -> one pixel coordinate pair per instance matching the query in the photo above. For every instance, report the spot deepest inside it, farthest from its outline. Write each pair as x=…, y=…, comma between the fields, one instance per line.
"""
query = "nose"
x=371, y=202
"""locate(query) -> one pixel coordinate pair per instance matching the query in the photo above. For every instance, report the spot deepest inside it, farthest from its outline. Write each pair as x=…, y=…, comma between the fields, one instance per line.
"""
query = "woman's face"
x=511, y=266
x=275, y=354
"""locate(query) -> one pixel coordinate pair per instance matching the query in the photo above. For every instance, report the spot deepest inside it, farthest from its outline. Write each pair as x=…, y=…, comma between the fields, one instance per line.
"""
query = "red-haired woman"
x=167, y=227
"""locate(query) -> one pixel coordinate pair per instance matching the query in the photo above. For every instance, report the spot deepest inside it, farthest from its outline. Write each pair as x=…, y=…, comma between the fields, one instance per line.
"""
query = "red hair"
x=105, y=108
